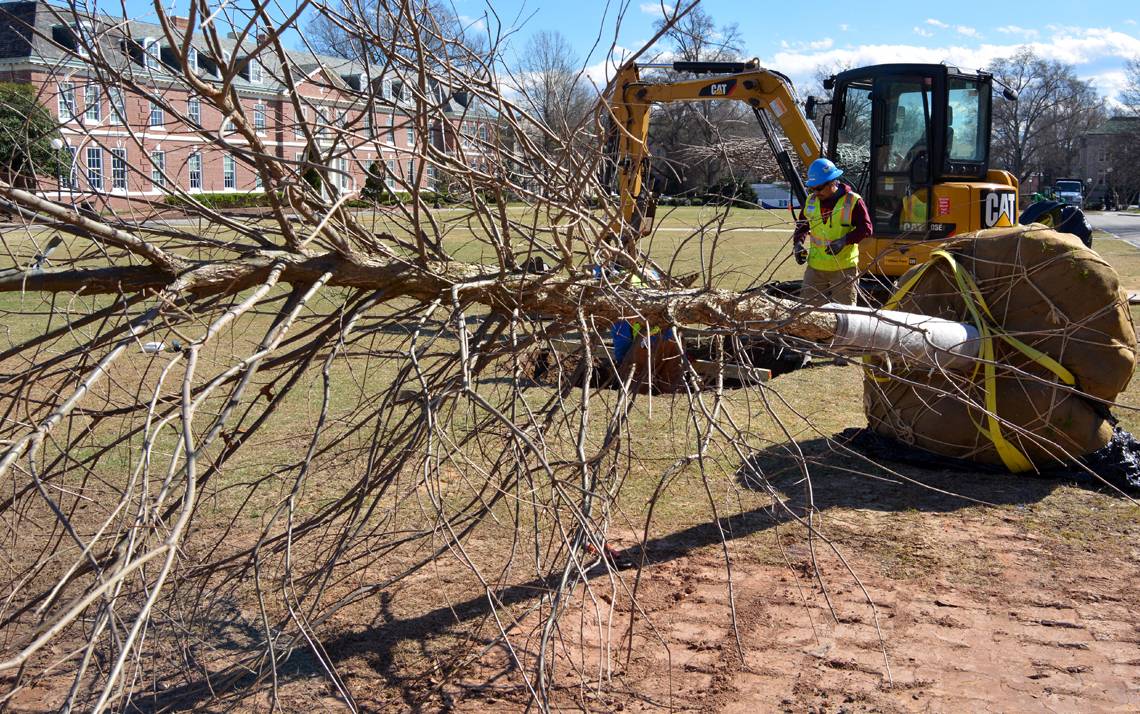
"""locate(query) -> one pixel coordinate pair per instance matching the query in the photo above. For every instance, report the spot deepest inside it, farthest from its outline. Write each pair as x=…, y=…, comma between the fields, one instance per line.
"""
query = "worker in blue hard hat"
x=831, y=223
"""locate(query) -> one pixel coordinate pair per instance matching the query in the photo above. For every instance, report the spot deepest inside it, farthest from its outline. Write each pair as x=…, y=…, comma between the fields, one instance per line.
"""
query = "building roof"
x=40, y=32
x=1118, y=125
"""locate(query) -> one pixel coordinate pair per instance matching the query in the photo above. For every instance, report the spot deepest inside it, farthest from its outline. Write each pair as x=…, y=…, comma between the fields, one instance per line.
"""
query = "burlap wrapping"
x=1052, y=293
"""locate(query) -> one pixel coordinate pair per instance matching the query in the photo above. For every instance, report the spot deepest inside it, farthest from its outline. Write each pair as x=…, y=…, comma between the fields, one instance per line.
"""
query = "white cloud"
x=844, y=27
x=1129, y=22
x=824, y=44
x=923, y=33
x=655, y=9
x=1108, y=83
x=966, y=31
x=472, y=23
x=936, y=23
x=1082, y=47
x=1017, y=30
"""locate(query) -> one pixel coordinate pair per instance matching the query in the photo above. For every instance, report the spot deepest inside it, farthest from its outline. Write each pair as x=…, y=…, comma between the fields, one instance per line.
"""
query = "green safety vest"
x=835, y=227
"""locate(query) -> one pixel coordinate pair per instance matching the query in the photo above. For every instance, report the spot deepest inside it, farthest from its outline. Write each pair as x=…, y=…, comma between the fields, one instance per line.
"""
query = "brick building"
x=137, y=130
x=1106, y=163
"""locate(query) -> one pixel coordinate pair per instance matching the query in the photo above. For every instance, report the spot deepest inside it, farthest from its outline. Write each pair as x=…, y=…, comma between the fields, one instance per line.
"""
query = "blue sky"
x=798, y=37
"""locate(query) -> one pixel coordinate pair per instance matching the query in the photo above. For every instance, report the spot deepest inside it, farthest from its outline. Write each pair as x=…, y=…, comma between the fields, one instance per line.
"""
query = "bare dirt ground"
x=1029, y=606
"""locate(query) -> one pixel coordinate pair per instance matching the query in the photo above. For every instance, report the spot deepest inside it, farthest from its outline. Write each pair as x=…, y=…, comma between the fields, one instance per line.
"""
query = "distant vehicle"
x=775, y=195
x=1070, y=191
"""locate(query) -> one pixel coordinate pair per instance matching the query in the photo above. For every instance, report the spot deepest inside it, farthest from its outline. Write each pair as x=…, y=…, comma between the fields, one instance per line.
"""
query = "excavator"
x=912, y=139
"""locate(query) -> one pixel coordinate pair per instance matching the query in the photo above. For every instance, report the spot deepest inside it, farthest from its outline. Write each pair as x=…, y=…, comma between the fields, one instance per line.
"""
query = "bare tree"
x=683, y=134
x=231, y=440
x=1130, y=97
x=553, y=86
x=1037, y=133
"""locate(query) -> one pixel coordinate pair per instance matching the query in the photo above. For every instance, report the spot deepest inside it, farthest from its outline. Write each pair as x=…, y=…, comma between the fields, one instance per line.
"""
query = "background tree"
x=1125, y=155
x=27, y=131
x=553, y=86
x=1035, y=133
x=689, y=139
x=1130, y=97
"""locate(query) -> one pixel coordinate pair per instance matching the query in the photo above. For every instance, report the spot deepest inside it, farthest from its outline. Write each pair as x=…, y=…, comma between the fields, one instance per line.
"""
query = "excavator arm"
x=769, y=94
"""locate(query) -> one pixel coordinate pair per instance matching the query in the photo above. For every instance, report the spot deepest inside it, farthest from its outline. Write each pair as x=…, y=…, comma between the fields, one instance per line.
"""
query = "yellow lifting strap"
x=987, y=326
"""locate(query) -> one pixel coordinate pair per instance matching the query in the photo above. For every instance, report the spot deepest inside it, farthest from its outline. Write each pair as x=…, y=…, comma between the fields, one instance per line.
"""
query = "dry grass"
x=894, y=526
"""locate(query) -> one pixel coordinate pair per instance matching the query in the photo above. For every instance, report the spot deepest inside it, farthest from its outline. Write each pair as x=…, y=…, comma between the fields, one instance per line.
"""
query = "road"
x=1125, y=226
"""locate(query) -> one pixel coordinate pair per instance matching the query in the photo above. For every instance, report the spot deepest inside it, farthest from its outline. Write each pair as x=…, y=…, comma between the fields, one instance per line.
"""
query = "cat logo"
x=720, y=89
x=998, y=208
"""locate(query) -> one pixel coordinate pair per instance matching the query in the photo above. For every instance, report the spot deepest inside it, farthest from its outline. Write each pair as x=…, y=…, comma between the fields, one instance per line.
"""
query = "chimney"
x=180, y=23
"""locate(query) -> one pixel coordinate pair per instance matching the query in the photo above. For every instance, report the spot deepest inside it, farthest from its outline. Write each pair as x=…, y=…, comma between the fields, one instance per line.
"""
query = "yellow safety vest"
x=835, y=227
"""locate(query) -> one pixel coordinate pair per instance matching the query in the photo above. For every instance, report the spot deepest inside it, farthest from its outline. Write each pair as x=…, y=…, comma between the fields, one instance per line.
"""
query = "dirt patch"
x=927, y=603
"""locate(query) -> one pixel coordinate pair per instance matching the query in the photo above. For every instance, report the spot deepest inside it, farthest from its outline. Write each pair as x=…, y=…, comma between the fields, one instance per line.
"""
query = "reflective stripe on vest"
x=823, y=232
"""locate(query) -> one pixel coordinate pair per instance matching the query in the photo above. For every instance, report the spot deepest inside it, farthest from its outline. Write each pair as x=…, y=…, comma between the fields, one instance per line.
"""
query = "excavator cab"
x=914, y=141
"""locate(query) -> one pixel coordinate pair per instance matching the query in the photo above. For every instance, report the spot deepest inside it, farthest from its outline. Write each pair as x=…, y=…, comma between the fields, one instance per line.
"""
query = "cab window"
x=853, y=144
x=966, y=111
x=901, y=195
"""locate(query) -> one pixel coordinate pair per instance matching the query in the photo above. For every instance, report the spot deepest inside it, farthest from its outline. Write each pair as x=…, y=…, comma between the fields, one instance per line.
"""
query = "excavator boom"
x=769, y=94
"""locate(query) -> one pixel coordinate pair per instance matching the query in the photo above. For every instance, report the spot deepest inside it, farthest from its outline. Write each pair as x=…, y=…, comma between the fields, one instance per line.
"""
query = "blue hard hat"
x=821, y=171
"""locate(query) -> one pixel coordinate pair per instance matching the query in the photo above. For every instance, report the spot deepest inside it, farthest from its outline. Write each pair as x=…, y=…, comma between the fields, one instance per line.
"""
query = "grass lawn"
x=963, y=567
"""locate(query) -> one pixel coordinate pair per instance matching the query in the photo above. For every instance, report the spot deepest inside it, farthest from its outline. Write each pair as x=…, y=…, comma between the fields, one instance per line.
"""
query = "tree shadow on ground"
x=839, y=478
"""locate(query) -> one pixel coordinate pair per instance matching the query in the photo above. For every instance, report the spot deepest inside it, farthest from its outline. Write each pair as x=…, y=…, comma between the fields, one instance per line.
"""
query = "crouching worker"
x=832, y=223
x=654, y=357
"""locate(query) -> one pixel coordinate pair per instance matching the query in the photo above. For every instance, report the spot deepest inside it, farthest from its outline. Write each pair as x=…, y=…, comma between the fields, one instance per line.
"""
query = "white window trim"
x=190, y=161
x=228, y=162
x=126, y=171
x=150, y=125
x=151, y=60
x=96, y=151
x=65, y=101
x=91, y=92
x=119, y=117
x=157, y=169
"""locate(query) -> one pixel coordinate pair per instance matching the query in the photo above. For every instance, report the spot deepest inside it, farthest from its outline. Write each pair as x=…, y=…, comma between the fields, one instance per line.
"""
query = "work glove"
x=799, y=253
x=835, y=246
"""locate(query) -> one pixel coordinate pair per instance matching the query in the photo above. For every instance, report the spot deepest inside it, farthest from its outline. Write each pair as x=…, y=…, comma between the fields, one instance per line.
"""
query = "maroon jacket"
x=860, y=218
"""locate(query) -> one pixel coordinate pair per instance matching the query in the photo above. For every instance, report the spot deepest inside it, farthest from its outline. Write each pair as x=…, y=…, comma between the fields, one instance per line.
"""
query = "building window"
x=66, y=101
x=342, y=178
x=391, y=133
x=257, y=179
x=158, y=168
x=258, y=116
x=228, y=124
x=192, y=58
x=390, y=179
x=386, y=89
x=118, y=113
x=119, y=168
x=194, y=109
x=157, y=116
x=302, y=119
x=431, y=177
x=411, y=169
x=483, y=133
x=411, y=132
x=194, y=163
x=150, y=53
x=92, y=103
x=229, y=172
x=256, y=72
x=68, y=179
x=95, y=168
